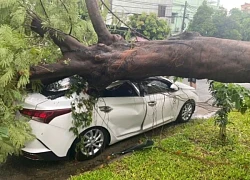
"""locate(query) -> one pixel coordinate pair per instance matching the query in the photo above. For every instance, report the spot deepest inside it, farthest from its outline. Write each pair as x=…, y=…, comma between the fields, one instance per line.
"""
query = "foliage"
x=67, y=16
x=226, y=26
x=228, y=97
x=16, y=57
x=13, y=134
x=150, y=26
x=243, y=19
x=217, y=23
x=190, y=151
x=202, y=21
x=83, y=104
x=20, y=49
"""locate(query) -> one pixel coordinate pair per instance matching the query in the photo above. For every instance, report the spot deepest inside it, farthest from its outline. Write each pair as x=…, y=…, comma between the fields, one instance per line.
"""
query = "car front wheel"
x=90, y=143
x=186, y=112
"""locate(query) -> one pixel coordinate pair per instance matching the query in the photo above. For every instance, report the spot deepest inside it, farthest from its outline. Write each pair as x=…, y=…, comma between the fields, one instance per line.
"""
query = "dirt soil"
x=20, y=168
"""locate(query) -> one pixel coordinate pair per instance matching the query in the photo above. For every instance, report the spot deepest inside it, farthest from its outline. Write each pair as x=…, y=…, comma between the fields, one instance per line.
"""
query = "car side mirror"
x=174, y=87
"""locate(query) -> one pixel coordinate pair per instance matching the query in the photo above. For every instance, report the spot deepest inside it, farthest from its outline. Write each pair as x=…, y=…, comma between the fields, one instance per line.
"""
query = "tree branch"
x=44, y=10
x=104, y=36
x=64, y=41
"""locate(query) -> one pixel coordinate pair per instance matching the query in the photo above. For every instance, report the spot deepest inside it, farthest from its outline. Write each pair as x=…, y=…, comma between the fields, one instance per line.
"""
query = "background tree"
x=218, y=23
x=226, y=26
x=202, y=21
x=150, y=26
x=243, y=19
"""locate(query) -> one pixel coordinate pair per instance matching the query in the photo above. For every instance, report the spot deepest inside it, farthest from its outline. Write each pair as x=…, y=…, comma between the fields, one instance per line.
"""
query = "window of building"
x=161, y=11
x=174, y=15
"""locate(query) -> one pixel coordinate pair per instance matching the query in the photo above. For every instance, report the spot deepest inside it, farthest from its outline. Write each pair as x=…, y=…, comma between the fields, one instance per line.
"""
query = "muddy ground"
x=20, y=168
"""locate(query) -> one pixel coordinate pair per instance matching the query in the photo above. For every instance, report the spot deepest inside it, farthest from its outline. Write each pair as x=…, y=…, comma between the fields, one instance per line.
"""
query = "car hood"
x=184, y=86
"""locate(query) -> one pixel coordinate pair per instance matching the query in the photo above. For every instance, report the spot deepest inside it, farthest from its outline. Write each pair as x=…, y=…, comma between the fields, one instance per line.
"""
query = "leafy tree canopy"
x=20, y=48
x=150, y=26
x=202, y=21
x=217, y=23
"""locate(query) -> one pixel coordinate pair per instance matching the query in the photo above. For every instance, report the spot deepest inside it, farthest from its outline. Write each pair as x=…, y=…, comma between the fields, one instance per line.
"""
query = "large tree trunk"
x=113, y=58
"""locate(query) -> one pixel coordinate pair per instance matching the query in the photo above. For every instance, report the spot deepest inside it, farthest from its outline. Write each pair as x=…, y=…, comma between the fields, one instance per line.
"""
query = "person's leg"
x=192, y=82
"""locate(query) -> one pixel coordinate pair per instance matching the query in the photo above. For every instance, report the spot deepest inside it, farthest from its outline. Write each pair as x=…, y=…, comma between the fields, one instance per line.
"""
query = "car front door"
x=159, y=103
x=122, y=108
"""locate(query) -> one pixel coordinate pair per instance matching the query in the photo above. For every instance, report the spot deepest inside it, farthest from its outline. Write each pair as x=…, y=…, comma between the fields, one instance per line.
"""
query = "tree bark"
x=188, y=56
x=104, y=36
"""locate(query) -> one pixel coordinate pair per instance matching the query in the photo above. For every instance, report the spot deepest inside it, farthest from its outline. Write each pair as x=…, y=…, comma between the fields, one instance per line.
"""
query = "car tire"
x=90, y=143
x=186, y=111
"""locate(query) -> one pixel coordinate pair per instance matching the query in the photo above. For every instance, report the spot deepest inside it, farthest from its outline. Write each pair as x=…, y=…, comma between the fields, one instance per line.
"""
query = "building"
x=183, y=12
x=178, y=13
x=245, y=7
x=124, y=8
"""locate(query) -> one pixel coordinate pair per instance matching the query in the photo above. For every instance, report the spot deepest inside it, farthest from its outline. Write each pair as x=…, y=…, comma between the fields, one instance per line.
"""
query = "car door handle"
x=105, y=109
x=152, y=103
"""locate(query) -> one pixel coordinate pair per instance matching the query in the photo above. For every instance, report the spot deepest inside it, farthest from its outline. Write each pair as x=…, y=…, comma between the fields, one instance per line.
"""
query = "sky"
x=229, y=4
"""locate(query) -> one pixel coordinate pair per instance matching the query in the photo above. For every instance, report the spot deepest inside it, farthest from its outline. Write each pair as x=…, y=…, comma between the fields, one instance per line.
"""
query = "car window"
x=121, y=90
x=156, y=86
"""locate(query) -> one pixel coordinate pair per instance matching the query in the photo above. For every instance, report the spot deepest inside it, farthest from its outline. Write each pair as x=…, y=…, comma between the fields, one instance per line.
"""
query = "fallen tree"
x=112, y=58
x=187, y=55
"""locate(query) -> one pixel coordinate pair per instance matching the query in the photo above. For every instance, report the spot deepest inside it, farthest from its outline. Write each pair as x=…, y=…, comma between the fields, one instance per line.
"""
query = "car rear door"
x=122, y=109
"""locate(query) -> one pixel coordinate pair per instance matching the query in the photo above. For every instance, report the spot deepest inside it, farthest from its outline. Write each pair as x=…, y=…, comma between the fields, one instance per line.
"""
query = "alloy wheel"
x=93, y=141
x=187, y=111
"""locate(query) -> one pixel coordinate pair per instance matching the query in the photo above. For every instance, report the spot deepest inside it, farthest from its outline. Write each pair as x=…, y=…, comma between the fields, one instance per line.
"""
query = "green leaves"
x=20, y=49
x=7, y=3
x=3, y=132
x=228, y=97
x=13, y=135
x=150, y=26
x=6, y=77
x=7, y=56
x=218, y=23
x=202, y=21
x=15, y=61
x=83, y=104
x=18, y=17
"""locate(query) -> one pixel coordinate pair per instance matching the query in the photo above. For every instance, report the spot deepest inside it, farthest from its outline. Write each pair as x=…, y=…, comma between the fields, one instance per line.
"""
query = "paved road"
x=202, y=89
x=204, y=108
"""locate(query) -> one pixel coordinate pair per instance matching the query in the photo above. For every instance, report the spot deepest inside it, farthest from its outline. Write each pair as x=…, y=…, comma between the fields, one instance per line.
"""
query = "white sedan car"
x=125, y=109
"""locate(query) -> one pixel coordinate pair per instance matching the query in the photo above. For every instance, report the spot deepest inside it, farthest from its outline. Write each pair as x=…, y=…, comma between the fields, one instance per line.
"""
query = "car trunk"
x=33, y=100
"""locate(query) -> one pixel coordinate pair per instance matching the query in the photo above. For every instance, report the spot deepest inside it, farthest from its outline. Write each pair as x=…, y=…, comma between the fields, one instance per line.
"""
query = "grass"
x=192, y=151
